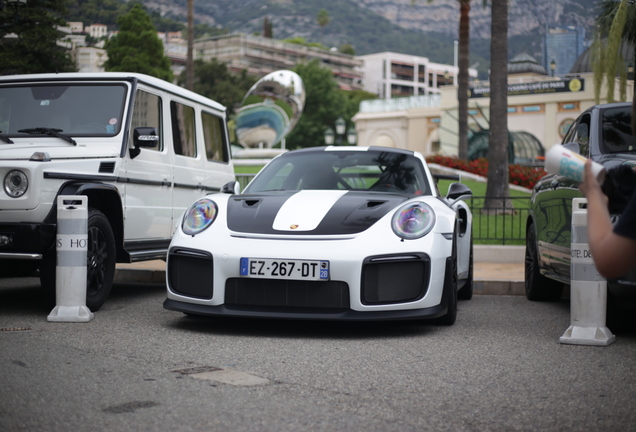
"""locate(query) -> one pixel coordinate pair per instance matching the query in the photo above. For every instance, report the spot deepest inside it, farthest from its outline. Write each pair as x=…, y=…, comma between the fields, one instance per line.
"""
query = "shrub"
x=520, y=175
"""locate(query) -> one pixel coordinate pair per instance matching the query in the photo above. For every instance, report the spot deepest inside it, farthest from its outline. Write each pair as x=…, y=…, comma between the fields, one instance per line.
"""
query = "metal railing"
x=244, y=179
x=505, y=224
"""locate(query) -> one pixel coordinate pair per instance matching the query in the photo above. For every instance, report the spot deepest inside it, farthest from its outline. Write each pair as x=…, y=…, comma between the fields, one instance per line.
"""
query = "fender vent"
x=107, y=167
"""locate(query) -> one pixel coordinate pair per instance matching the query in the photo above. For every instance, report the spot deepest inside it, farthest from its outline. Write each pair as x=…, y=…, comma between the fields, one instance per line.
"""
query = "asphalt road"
x=138, y=367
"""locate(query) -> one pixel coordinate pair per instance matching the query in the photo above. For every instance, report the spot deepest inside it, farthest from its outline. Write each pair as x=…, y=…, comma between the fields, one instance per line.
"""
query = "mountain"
x=414, y=27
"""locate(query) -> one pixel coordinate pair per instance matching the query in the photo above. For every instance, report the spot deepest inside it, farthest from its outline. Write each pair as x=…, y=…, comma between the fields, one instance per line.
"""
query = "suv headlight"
x=16, y=183
x=199, y=216
x=413, y=220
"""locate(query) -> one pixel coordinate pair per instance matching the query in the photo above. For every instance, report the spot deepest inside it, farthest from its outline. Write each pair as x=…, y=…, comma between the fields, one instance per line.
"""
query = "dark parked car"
x=604, y=134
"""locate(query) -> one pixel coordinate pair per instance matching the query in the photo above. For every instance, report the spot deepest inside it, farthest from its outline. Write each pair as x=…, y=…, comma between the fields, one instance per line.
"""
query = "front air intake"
x=191, y=273
x=394, y=278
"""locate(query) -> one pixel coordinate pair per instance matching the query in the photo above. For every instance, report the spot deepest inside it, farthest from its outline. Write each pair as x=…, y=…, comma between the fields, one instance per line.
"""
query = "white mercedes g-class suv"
x=141, y=149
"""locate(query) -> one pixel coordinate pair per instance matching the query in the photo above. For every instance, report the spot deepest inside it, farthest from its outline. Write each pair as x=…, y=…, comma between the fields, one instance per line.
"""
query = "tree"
x=268, y=28
x=324, y=103
x=35, y=49
x=463, y=58
x=323, y=18
x=354, y=97
x=214, y=80
x=137, y=48
x=616, y=23
x=190, y=51
x=347, y=49
x=497, y=186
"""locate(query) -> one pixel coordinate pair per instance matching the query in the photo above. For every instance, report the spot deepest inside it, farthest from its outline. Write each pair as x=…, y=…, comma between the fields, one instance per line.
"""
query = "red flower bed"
x=518, y=174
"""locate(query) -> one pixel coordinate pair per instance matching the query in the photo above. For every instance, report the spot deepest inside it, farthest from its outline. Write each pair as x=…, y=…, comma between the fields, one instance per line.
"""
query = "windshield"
x=74, y=109
x=617, y=131
x=343, y=170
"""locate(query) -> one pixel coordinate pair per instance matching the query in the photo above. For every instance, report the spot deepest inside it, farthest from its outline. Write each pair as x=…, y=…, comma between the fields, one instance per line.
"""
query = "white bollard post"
x=70, y=273
x=588, y=289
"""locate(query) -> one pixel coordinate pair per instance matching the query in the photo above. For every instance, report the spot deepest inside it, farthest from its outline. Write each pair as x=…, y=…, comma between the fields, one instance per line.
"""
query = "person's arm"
x=613, y=255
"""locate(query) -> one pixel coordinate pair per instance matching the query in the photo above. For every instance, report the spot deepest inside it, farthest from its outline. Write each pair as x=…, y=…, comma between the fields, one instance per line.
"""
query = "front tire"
x=100, y=262
x=450, y=288
x=466, y=292
x=538, y=287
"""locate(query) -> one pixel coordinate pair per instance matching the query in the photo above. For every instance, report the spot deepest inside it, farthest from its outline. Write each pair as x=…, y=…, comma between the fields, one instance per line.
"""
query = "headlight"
x=199, y=216
x=16, y=183
x=413, y=220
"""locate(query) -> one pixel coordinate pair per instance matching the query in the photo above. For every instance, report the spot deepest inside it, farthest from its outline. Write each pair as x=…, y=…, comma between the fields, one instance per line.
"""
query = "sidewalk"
x=498, y=270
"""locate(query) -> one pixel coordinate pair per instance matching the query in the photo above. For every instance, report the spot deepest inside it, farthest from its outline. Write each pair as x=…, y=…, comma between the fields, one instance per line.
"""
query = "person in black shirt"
x=613, y=248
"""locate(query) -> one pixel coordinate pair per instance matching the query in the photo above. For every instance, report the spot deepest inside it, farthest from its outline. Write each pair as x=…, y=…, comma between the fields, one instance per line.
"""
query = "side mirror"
x=573, y=146
x=458, y=191
x=232, y=187
x=143, y=137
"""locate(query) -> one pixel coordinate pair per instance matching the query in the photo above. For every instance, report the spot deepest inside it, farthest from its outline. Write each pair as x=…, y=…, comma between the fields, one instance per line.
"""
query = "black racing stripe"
x=354, y=212
x=255, y=213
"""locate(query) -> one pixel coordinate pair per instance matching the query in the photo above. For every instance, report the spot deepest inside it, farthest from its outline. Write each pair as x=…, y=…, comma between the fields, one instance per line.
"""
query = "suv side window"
x=147, y=113
x=183, y=135
x=214, y=137
x=580, y=133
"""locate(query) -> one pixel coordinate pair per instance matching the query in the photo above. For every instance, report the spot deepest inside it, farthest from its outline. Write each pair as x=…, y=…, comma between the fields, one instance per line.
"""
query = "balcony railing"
x=398, y=104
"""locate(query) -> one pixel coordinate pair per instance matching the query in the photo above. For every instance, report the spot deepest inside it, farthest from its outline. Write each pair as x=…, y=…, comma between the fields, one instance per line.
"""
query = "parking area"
x=138, y=367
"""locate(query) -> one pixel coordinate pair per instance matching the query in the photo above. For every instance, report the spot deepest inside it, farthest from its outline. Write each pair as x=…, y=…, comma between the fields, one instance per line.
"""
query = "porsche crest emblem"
x=293, y=226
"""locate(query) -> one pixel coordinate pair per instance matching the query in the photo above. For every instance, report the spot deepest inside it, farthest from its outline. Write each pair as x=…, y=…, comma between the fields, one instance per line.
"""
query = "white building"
x=89, y=59
x=261, y=56
x=76, y=26
x=96, y=31
x=391, y=75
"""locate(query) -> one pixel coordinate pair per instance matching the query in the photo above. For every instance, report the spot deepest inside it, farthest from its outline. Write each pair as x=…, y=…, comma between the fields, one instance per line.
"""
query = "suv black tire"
x=538, y=287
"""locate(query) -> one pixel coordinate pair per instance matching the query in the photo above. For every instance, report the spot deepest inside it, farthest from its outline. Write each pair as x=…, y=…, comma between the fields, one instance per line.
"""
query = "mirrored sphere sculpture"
x=270, y=110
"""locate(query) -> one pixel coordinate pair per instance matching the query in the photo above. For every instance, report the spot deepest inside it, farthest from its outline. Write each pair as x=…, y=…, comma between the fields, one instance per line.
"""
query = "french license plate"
x=285, y=269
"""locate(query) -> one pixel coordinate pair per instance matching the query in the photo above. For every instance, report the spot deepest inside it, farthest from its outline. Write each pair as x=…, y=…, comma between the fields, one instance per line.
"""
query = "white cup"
x=559, y=160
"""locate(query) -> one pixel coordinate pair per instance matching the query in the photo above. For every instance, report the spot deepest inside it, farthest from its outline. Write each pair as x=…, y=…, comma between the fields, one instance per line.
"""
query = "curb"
x=499, y=254
x=133, y=275
x=498, y=287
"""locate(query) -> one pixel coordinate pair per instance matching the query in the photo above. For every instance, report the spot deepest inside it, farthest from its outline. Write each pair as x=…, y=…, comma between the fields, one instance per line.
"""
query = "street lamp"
x=15, y=5
x=352, y=136
x=341, y=129
x=552, y=67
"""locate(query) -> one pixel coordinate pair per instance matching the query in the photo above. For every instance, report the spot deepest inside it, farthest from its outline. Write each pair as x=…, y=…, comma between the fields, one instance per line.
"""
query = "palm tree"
x=462, y=78
x=615, y=24
x=190, y=58
x=497, y=186
x=463, y=57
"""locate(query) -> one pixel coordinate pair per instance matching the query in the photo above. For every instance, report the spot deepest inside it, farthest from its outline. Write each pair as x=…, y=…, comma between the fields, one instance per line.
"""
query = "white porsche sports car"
x=341, y=233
